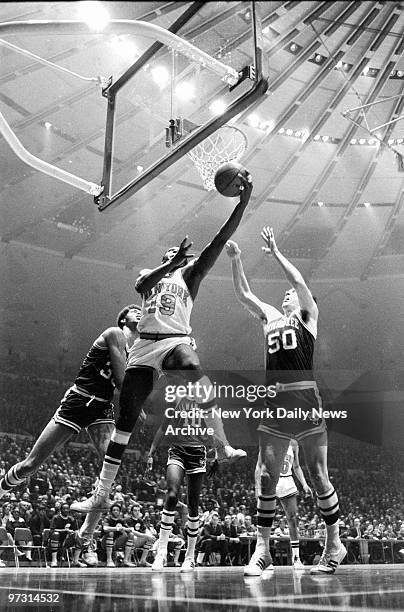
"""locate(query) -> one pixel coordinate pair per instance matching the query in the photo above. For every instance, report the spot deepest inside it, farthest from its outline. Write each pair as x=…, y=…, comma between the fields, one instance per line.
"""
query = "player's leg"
x=136, y=387
x=194, y=486
x=289, y=505
x=315, y=452
x=100, y=435
x=185, y=360
x=272, y=451
x=52, y=436
x=174, y=476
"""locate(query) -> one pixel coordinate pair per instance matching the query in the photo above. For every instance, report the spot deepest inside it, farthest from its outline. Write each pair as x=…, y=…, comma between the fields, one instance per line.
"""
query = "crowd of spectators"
x=368, y=479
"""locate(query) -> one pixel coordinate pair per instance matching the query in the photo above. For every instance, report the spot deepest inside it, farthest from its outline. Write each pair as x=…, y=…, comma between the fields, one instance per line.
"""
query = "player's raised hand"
x=246, y=187
x=232, y=249
x=267, y=235
x=307, y=491
x=182, y=256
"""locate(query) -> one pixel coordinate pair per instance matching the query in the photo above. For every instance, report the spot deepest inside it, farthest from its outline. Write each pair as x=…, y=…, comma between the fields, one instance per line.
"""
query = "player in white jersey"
x=168, y=293
x=289, y=344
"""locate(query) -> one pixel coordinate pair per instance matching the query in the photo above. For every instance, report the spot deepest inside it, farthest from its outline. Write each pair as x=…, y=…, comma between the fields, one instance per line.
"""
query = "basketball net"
x=227, y=144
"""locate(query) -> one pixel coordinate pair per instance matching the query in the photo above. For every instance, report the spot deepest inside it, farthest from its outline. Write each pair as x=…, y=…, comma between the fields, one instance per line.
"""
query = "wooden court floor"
x=353, y=589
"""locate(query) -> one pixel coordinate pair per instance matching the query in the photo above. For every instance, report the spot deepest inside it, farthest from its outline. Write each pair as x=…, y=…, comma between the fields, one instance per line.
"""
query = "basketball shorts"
x=295, y=412
x=192, y=459
x=152, y=353
x=78, y=411
x=286, y=487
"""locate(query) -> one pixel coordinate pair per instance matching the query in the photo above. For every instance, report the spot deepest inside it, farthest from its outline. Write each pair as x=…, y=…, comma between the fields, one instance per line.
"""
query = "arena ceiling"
x=333, y=193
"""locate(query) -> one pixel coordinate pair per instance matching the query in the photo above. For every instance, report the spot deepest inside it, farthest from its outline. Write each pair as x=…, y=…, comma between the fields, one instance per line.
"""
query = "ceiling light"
x=366, y=204
x=253, y=120
x=217, y=107
x=353, y=141
x=320, y=203
x=160, y=75
x=317, y=137
x=185, y=90
x=48, y=125
x=362, y=141
x=289, y=132
x=325, y=138
x=281, y=130
x=94, y=13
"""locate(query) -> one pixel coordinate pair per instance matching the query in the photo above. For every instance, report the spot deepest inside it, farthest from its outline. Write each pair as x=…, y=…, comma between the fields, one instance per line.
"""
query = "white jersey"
x=166, y=309
x=286, y=469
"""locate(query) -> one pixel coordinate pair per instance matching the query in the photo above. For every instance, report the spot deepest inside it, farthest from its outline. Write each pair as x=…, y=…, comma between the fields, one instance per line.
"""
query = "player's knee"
x=292, y=516
x=319, y=479
x=267, y=481
x=191, y=364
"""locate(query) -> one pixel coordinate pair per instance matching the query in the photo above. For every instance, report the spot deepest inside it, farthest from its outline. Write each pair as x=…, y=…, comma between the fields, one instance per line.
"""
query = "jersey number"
x=107, y=372
x=167, y=304
x=286, y=340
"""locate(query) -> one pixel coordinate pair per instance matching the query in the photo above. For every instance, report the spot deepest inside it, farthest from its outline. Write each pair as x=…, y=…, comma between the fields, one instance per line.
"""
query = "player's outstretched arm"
x=306, y=301
x=199, y=268
x=147, y=279
x=241, y=285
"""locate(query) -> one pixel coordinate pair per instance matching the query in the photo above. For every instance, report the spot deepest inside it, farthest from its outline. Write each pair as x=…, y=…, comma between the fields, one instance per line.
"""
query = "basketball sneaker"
x=329, y=562
x=230, y=454
x=297, y=564
x=98, y=502
x=188, y=565
x=160, y=561
x=89, y=554
x=258, y=563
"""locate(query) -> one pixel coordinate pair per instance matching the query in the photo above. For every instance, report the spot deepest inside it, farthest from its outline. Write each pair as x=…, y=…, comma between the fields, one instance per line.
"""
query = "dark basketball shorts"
x=296, y=412
x=78, y=411
x=192, y=459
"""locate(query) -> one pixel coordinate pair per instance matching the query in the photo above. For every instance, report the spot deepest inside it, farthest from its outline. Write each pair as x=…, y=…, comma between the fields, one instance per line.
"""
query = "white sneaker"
x=188, y=565
x=90, y=556
x=159, y=562
x=54, y=564
x=2, y=564
x=258, y=563
x=228, y=453
x=297, y=564
x=110, y=564
x=99, y=501
x=329, y=562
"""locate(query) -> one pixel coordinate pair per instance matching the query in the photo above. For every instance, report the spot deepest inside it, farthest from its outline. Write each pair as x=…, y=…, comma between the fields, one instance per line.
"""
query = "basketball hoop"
x=227, y=144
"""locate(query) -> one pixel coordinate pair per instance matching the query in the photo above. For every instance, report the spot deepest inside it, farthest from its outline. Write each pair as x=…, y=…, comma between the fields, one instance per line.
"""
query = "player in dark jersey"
x=296, y=409
x=85, y=405
x=183, y=431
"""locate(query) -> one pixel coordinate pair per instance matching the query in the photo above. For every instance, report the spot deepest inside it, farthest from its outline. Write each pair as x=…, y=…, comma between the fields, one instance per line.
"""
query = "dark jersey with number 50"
x=95, y=374
x=289, y=347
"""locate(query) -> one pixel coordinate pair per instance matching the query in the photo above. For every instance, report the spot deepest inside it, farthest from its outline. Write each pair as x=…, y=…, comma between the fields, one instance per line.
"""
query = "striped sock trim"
x=266, y=507
x=329, y=506
x=11, y=479
x=192, y=526
x=112, y=460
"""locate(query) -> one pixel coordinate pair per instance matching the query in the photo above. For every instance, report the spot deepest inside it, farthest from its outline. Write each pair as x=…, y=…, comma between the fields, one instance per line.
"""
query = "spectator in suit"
x=232, y=537
x=213, y=540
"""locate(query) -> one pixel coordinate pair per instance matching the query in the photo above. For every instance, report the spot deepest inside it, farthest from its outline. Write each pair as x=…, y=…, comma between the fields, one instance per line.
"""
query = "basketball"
x=227, y=180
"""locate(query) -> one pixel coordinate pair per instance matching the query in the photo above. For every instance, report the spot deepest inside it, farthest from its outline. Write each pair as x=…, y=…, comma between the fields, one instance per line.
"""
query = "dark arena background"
x=114, y=117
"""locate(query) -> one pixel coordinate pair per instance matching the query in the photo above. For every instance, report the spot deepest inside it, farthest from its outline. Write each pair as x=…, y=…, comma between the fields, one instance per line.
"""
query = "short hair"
x=121, y=318
x=116, y=505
